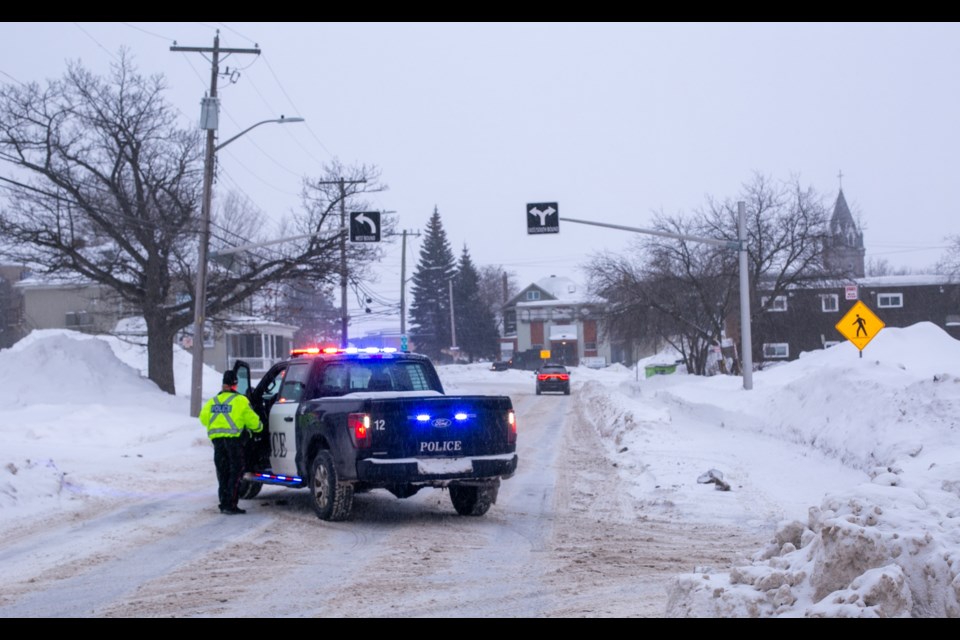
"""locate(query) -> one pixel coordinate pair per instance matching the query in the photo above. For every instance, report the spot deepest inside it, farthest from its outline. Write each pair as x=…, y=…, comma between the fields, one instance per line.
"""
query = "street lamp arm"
x=253, y=126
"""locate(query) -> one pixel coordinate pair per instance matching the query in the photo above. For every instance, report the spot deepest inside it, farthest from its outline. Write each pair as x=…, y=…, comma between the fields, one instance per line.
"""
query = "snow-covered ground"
x=873, y=533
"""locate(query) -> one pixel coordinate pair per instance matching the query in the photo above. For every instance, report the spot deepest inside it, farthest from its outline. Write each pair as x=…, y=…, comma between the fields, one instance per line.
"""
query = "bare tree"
x=676, y=292
x=949, y=263
x=684, y=292
x=497, y=285
x=882, y=267
x=103, y=185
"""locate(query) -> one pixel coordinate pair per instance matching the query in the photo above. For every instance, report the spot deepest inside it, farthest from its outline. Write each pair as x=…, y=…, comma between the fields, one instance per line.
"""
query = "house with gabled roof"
x=554, y=314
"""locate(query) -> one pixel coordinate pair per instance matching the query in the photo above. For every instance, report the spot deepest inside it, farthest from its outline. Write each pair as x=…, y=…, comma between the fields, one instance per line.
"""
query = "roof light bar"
x=334, y=350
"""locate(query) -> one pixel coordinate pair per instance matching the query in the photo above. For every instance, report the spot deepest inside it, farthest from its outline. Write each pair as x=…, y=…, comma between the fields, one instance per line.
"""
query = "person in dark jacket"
x=225, y=416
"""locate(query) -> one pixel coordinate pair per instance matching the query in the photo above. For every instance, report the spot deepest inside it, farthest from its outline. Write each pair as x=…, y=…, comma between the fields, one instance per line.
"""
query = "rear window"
x=553, y=369
x=374, y=375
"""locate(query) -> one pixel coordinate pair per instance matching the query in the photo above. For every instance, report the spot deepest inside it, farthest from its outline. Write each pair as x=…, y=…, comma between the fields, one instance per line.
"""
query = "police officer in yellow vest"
x=225, y=416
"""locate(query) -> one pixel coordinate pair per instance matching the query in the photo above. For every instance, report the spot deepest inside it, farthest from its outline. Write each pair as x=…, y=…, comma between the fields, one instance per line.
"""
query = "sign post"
x=860, y=325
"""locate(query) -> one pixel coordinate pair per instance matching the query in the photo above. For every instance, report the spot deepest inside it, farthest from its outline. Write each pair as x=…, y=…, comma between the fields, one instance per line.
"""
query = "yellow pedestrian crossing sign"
x=860, y=325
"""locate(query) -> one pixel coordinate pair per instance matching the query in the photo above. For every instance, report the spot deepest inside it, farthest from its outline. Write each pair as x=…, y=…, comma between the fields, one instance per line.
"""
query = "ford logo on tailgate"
x=441, y=422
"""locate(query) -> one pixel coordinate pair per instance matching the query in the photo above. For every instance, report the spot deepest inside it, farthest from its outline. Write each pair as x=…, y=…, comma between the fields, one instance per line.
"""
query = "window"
x=533, y=295
x=277, y=347
x=830, y=302
x=888, y=300
x=776, y=350
x=509, y=322
x=779, y=303
x=334, y=382
x=245, y=345
x=294, y=383
x=78, y=319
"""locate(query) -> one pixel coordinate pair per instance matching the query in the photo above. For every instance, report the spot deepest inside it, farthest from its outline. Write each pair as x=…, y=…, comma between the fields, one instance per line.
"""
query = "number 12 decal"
x=378, y=424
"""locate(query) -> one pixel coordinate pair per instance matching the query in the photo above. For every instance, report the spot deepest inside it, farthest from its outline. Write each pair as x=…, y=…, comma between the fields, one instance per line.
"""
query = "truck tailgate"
x=441, y=427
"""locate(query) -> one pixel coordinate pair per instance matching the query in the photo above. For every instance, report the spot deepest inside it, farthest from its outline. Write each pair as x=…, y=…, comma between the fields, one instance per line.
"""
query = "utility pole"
x=344, y=318
x=403, y=281
x=209, y=122
x=453, y=325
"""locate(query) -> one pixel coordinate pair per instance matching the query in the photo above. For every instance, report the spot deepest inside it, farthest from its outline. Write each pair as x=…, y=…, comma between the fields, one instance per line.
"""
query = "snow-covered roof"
x=55, y=282
x=906, y=280
x=260, y=323
x=561, y=288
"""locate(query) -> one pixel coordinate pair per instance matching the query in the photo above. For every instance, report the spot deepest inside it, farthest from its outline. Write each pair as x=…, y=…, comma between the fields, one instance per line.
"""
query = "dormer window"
x=533, y=294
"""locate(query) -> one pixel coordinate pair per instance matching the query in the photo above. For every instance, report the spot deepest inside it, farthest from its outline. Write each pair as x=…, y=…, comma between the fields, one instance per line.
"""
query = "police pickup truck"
x=345, y=421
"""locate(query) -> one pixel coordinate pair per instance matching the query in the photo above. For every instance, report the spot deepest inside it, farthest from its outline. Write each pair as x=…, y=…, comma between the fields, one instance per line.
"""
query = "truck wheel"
x=332, y=499
x=249, y=490
x=473, y=500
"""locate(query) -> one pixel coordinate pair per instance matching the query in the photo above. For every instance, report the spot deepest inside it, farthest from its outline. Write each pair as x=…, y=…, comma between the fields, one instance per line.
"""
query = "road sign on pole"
x=860, y=325
x=365, y=226
x=543, y=217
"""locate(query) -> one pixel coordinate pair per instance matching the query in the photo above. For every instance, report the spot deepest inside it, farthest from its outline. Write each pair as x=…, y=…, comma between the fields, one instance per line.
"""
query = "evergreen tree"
x=474, y=319
x=430, y=306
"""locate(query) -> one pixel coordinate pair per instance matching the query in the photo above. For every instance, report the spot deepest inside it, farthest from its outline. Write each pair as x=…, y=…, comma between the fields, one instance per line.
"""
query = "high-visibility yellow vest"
x=227, y=414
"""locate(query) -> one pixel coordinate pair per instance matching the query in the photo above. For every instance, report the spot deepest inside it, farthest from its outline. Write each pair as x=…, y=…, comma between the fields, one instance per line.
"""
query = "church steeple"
x=844, y=251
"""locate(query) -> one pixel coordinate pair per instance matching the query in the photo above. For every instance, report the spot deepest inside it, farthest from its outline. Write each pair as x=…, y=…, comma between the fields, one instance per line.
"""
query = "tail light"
x=511, y=427
x=358, y=424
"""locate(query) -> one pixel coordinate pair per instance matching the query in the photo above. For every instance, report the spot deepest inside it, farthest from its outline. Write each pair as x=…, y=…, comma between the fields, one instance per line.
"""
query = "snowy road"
x=566, y=538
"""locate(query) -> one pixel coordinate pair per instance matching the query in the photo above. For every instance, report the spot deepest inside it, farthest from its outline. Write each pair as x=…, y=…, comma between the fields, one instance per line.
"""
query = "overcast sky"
x=611, y=121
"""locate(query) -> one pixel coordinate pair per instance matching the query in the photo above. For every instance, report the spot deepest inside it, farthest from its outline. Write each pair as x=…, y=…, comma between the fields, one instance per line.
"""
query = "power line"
x=149, y=33
x=309, y=128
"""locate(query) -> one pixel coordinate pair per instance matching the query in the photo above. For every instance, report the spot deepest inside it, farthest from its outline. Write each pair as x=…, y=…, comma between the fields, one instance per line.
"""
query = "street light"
x=200, y=296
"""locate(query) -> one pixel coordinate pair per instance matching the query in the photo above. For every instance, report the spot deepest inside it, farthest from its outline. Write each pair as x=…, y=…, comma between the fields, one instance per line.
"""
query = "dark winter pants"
x=228, y=458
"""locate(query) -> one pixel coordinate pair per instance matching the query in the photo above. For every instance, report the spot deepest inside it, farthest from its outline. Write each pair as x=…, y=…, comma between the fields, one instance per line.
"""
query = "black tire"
x=331, y=499
x=566, y=391
x=538, y=390
x=473, y=500
x=249, y=490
